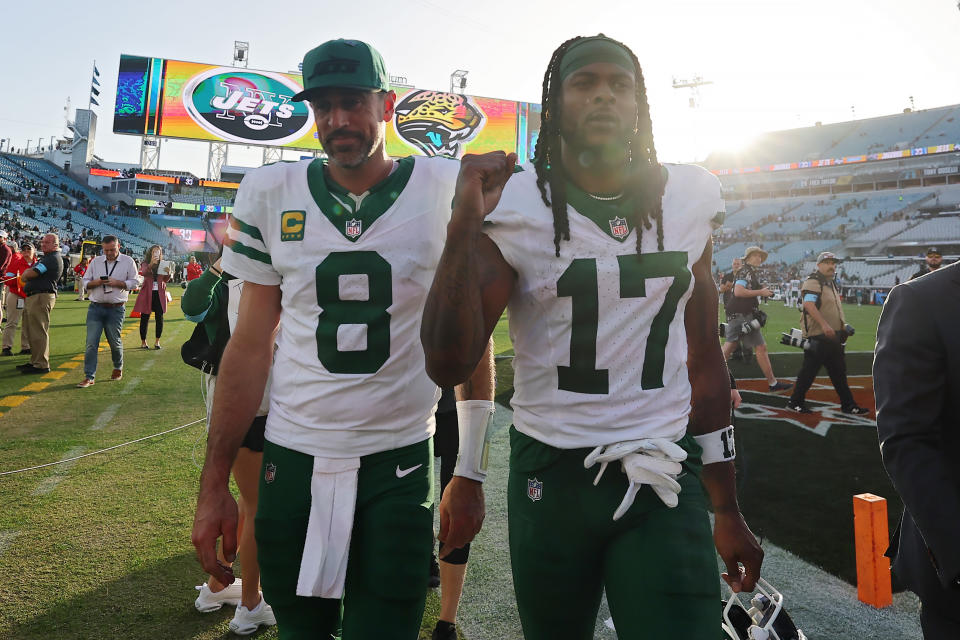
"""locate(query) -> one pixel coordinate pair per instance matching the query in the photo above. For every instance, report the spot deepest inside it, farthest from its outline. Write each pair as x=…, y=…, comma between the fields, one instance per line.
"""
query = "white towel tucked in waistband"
x=333, y=490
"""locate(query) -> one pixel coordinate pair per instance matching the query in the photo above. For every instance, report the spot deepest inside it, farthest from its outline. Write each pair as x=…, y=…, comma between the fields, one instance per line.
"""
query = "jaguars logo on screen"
x=247, y=106
x=437, y=123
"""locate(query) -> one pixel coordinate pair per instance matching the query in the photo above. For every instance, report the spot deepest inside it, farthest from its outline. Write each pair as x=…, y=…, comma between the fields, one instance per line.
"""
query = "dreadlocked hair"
x=645, y=184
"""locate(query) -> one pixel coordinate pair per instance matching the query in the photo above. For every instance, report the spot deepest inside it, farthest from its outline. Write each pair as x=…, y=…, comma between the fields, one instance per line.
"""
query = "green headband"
x=594, y=49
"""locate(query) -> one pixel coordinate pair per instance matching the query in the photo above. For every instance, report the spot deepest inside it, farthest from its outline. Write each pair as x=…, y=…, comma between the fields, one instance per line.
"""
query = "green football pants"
x=657, y=564
x=390, y=546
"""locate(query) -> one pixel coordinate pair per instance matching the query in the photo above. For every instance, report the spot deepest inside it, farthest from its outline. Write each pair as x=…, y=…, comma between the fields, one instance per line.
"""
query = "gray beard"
x=356, y=159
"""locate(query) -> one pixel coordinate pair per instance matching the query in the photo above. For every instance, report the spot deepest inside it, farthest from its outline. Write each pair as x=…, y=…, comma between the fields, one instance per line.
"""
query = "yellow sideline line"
x=62, y=370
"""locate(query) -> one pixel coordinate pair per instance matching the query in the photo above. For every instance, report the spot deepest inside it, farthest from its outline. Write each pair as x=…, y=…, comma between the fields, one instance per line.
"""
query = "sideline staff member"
x=108, y=288
x=823, y=323
x=934, y=261
x=41, y=289
x=747, y=292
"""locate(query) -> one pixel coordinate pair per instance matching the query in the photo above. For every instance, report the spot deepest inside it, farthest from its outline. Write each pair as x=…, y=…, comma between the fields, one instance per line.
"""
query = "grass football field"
x=100, y=547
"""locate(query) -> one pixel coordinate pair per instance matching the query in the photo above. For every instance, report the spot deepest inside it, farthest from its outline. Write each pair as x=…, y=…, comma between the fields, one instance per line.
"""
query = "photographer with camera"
x=744, y=318
x=726, y=285
x=825, y=332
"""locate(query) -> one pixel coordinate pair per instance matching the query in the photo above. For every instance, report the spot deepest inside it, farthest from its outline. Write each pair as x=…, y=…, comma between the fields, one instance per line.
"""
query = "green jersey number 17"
x=579, y=282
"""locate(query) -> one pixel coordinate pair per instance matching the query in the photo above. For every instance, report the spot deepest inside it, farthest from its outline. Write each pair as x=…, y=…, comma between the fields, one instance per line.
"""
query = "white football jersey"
x=598, y=334
x=348, y=376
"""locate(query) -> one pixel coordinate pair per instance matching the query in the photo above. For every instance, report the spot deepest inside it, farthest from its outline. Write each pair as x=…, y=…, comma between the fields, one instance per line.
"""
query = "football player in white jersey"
x=602, y=257
x=340, y=254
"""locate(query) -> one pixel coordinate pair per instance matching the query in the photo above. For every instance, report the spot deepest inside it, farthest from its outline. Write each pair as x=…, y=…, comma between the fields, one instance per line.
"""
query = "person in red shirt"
x=19, y=263
x=79, y=270
x=194, y=269
x=6, y=254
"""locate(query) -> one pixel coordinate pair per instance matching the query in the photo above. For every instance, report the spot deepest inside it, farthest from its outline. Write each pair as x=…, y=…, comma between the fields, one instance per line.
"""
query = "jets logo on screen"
x=236, y=105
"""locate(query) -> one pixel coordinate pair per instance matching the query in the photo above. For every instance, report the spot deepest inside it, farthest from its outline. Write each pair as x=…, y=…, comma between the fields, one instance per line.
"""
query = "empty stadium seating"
x=931, y=231
x=837, y=140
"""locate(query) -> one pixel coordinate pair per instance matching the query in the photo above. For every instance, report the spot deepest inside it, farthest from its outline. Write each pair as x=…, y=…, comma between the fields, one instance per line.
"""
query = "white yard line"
x=6, y=539
x=104, y=418
x=130, y=386
x=49, y=483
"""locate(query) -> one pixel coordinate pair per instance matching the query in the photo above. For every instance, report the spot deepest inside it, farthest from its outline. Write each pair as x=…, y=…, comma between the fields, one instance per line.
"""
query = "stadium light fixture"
x=241, y=53
x=694, y=86
x=458, y=81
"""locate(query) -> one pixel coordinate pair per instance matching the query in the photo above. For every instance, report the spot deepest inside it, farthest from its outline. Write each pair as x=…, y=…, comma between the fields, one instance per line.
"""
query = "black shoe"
x=6, y=352
x=25, y=365
x=855, y=410
x=444, y=631
x=434, y=581
x=35, y=370
x=799, y=407
x=781, y=386
x=23, y=352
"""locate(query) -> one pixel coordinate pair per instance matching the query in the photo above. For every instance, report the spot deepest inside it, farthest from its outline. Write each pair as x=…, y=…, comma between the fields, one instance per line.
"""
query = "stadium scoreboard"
x=194, y=101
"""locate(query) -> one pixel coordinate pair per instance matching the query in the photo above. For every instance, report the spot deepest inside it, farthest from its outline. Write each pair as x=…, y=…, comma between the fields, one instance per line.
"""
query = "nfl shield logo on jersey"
x=534, y=489
x=618, y=227
x=354, y=228
x=270, y=472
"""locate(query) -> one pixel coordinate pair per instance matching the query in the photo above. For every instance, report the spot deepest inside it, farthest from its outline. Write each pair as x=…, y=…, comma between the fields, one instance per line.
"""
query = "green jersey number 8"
x=579, y=282
x=337, y=312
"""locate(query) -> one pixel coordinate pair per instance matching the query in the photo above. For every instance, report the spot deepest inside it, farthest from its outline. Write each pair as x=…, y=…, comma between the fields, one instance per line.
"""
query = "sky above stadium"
x=773, y=64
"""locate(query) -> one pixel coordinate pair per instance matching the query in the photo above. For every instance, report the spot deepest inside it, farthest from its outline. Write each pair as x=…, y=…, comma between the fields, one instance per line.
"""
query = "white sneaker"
x=209, y=601
x=246, y=621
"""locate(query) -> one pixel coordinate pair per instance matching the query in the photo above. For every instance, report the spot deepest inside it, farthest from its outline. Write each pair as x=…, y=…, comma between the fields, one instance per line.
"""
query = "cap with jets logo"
x=348, y=64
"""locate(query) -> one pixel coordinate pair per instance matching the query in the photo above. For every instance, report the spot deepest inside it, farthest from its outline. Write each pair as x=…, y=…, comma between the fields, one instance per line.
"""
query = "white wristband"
x=473, y=422
x=718, y=446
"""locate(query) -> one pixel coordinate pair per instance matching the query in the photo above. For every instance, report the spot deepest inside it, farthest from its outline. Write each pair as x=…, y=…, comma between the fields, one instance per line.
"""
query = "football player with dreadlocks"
x=603, y=256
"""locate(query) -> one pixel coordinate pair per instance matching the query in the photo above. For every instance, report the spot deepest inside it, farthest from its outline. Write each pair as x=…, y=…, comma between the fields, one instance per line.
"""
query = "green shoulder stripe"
x=244, y=250
x=248, y=229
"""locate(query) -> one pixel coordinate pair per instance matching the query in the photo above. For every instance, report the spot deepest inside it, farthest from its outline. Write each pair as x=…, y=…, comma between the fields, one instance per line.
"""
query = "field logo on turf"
x=821, y=399
x=270, y=472
x=534, y=489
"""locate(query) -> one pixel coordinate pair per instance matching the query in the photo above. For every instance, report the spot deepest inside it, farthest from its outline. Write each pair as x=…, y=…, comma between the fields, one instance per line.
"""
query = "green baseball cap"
x=349, y=64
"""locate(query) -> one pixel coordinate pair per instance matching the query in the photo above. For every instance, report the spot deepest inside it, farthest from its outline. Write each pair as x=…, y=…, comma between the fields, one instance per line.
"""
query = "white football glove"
x=653, y=461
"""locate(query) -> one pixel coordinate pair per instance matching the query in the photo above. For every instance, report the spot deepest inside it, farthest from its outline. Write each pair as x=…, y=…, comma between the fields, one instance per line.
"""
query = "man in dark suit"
x=916, y=376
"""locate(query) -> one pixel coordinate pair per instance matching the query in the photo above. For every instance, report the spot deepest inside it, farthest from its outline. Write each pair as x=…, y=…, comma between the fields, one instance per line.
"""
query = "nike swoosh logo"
x=405, y=472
